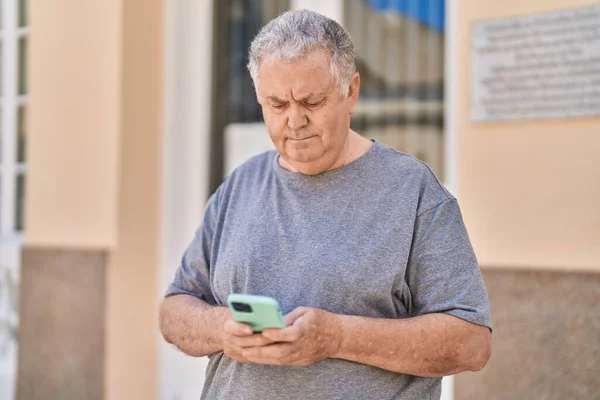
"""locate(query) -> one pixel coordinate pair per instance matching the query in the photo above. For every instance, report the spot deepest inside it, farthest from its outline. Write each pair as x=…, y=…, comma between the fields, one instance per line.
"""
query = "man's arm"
x=199, y=329
x=192, y=325
x=428, y=345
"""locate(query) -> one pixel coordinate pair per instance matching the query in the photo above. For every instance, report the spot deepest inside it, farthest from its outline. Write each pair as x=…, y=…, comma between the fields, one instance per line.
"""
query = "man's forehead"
x=271, y=86
x=308, y=75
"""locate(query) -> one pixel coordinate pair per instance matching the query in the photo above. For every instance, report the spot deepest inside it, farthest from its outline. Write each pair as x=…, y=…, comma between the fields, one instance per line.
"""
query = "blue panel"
x=427, y=12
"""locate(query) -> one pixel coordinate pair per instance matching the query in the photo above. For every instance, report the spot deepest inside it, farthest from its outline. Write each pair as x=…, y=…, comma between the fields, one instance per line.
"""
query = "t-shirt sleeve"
x=442, y=274
x=193, y=273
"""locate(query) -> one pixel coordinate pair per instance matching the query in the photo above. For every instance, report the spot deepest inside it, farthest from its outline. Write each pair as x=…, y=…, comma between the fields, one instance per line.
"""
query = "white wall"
x=450, y=110
x=186, y=147
x=243, y=141
x=330, y=8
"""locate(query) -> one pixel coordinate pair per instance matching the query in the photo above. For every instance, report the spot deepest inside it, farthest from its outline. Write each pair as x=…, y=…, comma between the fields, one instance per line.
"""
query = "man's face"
x=307, y=117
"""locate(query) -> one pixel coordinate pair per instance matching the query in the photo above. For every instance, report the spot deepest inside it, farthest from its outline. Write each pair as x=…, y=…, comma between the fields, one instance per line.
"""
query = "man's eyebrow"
x=311, y=95
x=275, y=99
x=305, y=98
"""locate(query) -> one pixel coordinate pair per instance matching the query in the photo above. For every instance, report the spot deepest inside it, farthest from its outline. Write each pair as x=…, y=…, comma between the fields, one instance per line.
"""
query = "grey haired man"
x=365, y=250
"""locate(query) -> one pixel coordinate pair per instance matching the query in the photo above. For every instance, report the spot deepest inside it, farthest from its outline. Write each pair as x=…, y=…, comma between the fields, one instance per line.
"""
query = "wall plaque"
x=544, y=65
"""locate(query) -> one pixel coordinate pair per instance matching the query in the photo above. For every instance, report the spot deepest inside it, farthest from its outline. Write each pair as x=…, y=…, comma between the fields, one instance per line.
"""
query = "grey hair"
x=295, y=35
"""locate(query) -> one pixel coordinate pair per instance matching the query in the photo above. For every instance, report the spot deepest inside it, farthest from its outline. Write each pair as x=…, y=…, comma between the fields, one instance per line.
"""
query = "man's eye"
x=278, y=106
x=318, y=103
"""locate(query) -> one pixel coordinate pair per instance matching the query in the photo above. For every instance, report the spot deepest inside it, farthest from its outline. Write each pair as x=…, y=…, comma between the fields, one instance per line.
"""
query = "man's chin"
x=308, y=167
x=309, y=170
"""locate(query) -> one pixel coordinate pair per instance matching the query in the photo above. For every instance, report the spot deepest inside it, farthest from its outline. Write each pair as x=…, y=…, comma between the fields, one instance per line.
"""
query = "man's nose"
x=296, y=118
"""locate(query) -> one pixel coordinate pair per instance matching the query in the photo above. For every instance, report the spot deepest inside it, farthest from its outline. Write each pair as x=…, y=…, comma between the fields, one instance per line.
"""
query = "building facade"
x=130, y=123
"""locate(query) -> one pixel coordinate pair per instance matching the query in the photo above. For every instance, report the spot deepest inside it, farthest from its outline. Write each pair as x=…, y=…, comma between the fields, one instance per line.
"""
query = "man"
x=364, y=249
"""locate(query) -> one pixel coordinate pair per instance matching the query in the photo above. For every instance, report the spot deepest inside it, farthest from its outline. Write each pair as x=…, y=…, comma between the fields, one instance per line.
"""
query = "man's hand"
x=311, y=335
x=237, y=336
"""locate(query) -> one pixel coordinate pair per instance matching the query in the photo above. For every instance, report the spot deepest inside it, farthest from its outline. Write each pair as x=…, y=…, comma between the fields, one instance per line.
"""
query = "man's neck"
x=357, y=146
x=354, y=148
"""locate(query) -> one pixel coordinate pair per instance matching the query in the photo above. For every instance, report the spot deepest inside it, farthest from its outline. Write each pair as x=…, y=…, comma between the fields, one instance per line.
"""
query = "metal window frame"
x=219, y=89
x=11, y=101
x=11, y=239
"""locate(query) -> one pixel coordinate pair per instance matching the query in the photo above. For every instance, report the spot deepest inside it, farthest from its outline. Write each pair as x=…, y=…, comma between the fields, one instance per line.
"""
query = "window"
x=234, y=99
x=400, y=57
x=14, y=36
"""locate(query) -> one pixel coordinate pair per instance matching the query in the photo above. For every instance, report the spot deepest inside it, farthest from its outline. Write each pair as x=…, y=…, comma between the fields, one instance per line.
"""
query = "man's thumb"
x=294, y=315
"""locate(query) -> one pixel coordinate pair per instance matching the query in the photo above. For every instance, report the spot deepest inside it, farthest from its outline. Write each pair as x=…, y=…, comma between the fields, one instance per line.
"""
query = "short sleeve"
x=442, y=274
x=193, y=273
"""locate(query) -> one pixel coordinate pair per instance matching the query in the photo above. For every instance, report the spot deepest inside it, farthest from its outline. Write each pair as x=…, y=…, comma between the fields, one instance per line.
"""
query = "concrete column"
x=132, y=308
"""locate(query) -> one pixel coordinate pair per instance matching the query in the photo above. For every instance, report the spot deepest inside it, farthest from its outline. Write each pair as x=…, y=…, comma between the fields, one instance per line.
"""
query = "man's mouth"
x=301, y=139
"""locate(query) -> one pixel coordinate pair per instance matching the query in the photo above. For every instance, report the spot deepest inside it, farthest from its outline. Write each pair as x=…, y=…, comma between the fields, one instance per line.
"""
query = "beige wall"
x=132, y=332
x=94, y=163
x=530, y=191
x=75, y=103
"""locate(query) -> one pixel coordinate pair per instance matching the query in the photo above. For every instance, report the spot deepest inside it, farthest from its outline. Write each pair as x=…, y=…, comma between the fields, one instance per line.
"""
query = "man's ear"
x=353, y=91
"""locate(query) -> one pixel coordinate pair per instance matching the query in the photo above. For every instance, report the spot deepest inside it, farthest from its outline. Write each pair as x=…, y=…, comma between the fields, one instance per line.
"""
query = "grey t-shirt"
x=379, y=237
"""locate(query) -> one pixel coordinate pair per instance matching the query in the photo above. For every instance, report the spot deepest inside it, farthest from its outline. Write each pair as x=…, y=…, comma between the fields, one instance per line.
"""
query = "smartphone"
x=260, y=312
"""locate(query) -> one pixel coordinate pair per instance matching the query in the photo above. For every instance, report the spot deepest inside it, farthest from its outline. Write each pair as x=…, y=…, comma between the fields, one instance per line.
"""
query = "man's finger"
x=276, y=351
x=289, y=334
x=237, y=328
x=256, y=340
x=234, y=352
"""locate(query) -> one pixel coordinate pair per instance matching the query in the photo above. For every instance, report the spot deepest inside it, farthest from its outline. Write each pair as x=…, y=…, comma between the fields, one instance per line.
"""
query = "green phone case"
x=260, y=312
